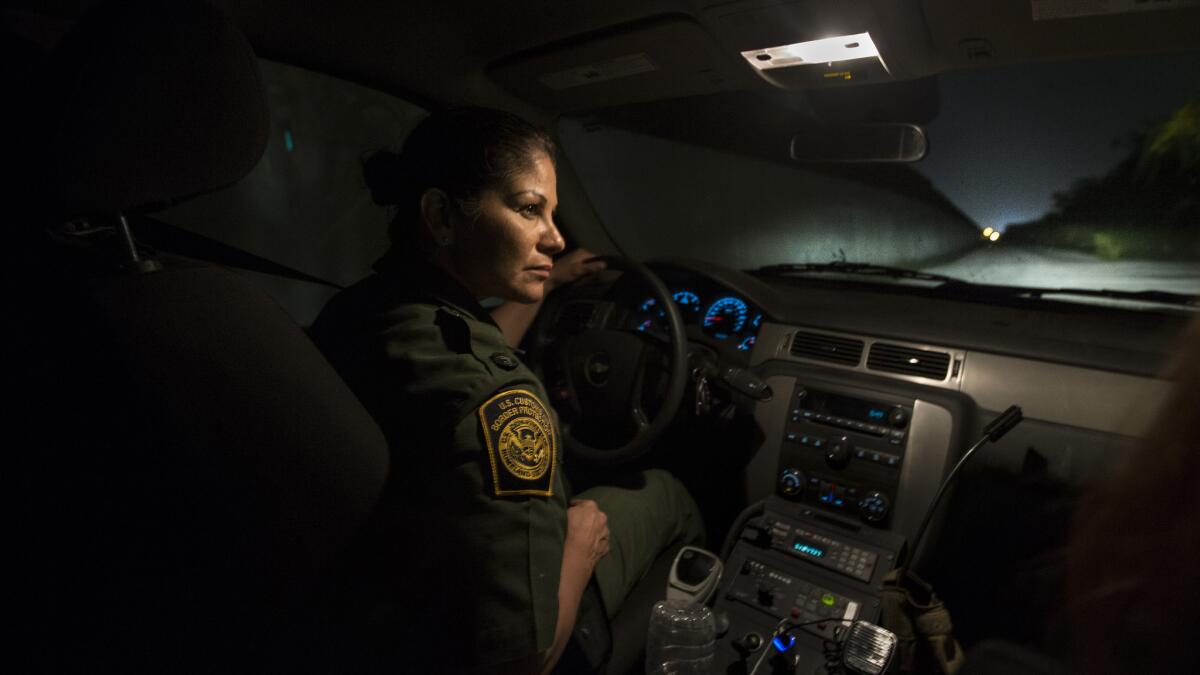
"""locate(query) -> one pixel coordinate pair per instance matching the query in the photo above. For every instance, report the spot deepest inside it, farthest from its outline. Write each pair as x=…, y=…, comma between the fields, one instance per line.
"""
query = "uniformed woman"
x=479, y=557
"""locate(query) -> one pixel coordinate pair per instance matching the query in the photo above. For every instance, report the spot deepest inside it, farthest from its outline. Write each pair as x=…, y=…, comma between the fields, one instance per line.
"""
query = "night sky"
x=1008, y=138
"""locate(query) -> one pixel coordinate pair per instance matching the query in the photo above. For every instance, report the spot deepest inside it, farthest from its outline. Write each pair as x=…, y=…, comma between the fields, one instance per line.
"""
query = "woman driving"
x=497, y=552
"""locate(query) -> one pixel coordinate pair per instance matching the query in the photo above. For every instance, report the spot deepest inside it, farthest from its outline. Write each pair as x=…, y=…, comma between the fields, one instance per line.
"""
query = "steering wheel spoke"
x=606, y=368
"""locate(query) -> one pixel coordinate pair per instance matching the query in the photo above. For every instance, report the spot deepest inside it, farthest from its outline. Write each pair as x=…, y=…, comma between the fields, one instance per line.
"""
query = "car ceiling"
x=459, y=51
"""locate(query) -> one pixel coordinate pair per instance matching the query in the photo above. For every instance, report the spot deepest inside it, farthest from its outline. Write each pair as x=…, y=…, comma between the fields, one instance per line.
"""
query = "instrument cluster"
x=723, y=316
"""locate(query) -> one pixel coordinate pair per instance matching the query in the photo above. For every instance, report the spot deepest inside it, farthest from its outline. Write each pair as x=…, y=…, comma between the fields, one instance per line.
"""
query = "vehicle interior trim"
x=760, y=470
x=926, y=458
x=1091, y=399
x=780, y=336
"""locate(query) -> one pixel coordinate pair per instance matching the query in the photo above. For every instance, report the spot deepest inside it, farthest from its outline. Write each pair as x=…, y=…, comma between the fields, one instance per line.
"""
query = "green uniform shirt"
x=476, y=487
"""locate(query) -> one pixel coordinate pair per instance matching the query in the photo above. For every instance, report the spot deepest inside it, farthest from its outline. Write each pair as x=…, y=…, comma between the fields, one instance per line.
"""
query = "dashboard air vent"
x=575, y=317
x=820, y=347
x=908, y=361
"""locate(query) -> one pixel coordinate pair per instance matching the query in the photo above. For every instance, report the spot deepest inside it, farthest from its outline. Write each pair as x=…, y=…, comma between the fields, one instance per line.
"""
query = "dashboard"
x=1086, y=377
x=874, y=390
x=710, y=311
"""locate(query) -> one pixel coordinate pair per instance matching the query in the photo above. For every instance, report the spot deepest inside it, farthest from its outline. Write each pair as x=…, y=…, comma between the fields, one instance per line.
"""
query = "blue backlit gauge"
x=725, y=317
x=747, y=343
x=649, y=317
x=689, y=303
x=756, y=321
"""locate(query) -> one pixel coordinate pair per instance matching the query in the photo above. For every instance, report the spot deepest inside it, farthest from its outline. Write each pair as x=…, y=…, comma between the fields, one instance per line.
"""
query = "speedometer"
x=725, y=317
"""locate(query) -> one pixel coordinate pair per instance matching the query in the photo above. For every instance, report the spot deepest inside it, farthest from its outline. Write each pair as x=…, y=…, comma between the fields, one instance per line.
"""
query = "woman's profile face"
x=507, y=250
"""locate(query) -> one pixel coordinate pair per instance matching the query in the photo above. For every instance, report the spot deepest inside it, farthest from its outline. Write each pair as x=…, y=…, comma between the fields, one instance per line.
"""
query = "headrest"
x=146, y=103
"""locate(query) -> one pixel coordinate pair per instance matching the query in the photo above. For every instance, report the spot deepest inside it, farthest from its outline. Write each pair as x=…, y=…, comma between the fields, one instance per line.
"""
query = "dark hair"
x=461, y=151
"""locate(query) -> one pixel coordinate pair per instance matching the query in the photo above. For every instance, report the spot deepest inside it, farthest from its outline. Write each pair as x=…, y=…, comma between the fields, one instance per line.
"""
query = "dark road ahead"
x=1045, y=267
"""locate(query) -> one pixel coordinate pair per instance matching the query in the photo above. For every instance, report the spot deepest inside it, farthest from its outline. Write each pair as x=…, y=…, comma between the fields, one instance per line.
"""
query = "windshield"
x=1063, y=175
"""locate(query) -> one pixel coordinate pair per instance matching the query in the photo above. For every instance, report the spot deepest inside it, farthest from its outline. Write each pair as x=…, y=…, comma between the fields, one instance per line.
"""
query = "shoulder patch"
x=521, y=443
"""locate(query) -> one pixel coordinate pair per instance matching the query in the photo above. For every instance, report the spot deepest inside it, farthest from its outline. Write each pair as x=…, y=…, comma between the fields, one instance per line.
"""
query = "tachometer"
x=725, y=317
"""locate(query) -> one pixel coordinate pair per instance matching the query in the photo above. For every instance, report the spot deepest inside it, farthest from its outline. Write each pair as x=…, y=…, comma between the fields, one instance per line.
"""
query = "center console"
x=844, y=452
x=793, y=562
x=848, y=467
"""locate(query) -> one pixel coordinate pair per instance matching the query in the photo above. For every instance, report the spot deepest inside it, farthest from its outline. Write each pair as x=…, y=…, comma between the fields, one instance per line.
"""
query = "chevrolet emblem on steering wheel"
x=597, y=369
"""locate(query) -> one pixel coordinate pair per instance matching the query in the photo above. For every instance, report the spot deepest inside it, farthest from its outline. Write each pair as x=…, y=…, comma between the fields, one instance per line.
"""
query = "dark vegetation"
x=1147, y=206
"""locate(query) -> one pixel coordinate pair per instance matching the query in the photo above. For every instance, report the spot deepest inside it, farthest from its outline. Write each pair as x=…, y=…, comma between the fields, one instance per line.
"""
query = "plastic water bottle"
x=681, y=639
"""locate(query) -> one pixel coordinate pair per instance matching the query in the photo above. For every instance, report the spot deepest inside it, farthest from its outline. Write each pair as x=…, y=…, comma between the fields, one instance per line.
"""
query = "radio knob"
x=874, y=507
x=838, y=454
x=791, y=483
x=898, y=417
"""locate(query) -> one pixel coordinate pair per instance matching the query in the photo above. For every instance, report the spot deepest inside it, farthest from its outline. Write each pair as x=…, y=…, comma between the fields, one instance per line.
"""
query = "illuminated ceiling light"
x=987, y=231
x=995, y=236
x=827, y=50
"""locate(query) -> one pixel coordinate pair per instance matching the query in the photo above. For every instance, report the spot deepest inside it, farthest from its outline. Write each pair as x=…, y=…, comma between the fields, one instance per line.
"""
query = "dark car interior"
x=197, y=489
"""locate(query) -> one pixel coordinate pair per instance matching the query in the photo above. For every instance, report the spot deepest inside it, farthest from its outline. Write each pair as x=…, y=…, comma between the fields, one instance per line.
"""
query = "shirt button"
x=504, y=361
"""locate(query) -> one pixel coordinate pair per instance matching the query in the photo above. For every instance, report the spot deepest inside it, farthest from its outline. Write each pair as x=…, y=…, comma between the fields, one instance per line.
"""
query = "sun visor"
x=666, y=57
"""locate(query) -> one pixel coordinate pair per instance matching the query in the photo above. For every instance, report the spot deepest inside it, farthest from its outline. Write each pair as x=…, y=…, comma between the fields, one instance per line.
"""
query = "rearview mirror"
x=860, y=143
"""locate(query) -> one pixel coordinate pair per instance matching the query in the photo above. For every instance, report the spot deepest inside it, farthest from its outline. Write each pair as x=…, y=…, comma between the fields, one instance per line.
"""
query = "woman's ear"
x=436, y=217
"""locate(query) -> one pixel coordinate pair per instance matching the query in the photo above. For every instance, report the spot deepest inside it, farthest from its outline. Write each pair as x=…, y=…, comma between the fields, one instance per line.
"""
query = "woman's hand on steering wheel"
x=573, y=266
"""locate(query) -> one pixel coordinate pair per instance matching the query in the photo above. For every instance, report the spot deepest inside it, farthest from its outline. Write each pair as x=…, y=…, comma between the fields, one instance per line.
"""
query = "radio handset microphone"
x=993, y=432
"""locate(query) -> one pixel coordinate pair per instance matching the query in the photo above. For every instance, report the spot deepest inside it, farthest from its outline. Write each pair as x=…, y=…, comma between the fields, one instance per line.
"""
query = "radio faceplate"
x=844, y=453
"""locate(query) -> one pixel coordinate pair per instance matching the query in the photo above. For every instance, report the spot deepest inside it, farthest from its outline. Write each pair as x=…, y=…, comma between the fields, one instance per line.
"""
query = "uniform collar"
x=415, y=275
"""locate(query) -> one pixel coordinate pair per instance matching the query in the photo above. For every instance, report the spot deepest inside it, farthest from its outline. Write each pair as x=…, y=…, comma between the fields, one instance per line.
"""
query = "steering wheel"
x=605, y=370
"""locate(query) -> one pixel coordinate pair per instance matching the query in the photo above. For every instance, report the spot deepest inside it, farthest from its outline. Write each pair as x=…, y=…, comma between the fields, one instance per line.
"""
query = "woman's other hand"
x=587, y=530
x=572, y=267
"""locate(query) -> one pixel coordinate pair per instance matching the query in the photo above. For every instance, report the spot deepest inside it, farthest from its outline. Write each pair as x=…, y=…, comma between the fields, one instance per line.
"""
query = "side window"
x=305, y=205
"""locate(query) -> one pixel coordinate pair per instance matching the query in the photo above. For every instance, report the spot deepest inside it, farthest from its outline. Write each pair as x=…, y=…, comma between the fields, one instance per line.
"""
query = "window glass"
x=1085, y=174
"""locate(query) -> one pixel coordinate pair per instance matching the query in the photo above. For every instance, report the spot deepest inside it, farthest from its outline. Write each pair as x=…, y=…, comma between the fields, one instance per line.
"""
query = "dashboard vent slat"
x=831, y=348
x=908, y=361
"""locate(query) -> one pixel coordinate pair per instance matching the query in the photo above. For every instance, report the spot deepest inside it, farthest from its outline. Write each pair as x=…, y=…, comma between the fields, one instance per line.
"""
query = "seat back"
x=191, y=470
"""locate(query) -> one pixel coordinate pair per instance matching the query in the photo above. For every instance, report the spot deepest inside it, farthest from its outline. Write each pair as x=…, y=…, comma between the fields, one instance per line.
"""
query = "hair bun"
x=386, y=178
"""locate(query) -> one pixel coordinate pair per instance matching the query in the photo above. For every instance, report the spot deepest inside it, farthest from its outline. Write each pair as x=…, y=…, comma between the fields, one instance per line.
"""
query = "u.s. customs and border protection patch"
x=521, y=442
